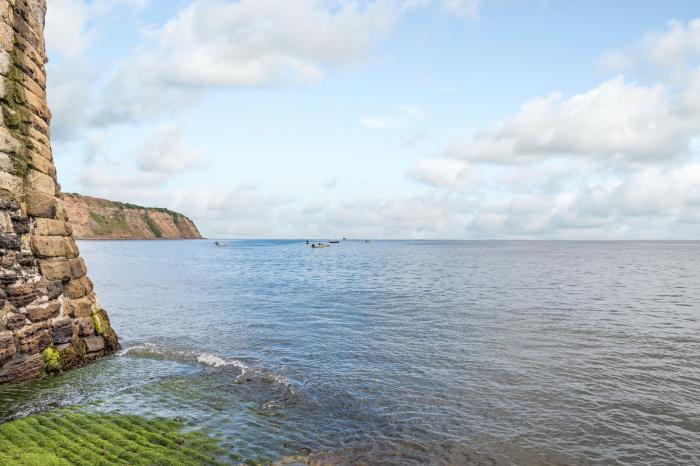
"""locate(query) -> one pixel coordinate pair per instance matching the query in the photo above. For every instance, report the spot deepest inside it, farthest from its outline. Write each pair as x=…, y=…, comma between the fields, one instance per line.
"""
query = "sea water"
x=402, y=351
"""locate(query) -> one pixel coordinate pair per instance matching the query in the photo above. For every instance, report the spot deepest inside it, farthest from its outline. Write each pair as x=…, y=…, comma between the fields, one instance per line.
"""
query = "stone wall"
x=50, y=319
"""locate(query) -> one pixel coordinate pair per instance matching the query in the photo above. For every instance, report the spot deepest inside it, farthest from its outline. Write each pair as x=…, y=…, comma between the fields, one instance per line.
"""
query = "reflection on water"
x=450, y=352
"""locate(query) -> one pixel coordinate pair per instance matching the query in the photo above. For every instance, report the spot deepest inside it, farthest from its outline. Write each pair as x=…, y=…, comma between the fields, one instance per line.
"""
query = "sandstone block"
x=47, y=311
x=81, y=307
x=78, y=288
x=41, y=182
x=86, y=326
x=77, y=267
x=48, y=246
x=51, y=227
x=41, y=205
x=7, y=347
x=22, y=367
x=63, y=331
x=34, y=338
x=71, y=248
x=94, y=344
x=56, y=269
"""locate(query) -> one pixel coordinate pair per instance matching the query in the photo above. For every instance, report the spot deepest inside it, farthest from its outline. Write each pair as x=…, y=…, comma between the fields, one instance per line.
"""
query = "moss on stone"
x=52, y=360
x=73, y=355
x=97, y=324
x=74, y=437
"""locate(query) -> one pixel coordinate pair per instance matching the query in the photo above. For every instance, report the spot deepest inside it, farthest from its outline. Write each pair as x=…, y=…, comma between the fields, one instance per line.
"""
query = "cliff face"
x=94, y=218
x=50, y=319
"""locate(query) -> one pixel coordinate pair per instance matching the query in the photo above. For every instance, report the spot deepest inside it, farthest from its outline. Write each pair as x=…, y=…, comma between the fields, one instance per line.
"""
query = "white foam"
x=216, y=361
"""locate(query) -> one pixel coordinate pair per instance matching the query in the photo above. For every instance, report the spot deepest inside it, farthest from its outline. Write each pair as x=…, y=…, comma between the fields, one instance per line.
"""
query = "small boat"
x=307, y=242
x=221, y=243
x=334, y=242
x=320, y=245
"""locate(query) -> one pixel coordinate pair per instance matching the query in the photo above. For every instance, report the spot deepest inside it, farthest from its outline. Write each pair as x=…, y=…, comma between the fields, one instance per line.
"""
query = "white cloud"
x=66, y=27
x=445, y=173
x=616, y=121
x=264, y=42
x=165, y=152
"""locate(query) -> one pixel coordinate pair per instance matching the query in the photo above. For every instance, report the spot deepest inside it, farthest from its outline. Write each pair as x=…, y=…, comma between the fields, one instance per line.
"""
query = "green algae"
x=52, y=359
x=97, y=324
x=71, y=436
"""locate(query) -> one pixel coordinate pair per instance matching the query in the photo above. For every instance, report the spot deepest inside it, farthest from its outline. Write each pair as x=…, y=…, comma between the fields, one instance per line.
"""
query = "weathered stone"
x=77, y=267
x=41, y=182
x=81, y=307
x=8, y=205
x=54, y=289
x=48, y=246
x=46, y=311
x=8, y=276
x=51, y=227
x=22, y=367
x=34, y=338
x=73, y=354
x=7, y=347
x=41, y=205
x=94, y=344
x=26, y=260
x=20, y=224
x=14, y=321
x=71, y=248
x=55, y=269
x=21, y=294
x=86, y=326
x=63, y=331
x=9, y=241
x=78, y=288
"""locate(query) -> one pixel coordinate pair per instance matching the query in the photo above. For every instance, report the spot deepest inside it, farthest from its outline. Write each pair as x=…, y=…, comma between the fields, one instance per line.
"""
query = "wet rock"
x=94, y=344
x=7, y=347
x=22, y=367
x=34, y=338
x=63, y=331
x=47, y=311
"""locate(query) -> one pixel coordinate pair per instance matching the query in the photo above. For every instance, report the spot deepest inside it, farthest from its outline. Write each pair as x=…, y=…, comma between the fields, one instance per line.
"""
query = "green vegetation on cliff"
x=73, y=437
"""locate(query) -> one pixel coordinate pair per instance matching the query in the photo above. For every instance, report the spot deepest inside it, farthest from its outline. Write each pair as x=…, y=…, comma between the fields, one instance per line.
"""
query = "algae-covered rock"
x=52, y=360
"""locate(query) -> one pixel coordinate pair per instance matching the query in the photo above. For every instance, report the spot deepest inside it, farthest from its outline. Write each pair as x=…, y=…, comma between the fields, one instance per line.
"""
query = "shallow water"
x=416, y=351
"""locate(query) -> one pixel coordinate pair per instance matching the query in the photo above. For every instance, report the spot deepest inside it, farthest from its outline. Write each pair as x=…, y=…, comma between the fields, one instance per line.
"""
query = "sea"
x=401, y=352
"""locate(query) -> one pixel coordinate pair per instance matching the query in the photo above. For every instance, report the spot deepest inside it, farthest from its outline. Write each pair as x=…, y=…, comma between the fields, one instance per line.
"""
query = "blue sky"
x=385, y=119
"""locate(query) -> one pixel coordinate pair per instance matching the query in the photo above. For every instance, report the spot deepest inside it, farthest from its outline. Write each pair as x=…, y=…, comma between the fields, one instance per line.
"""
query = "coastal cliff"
x=94, y=218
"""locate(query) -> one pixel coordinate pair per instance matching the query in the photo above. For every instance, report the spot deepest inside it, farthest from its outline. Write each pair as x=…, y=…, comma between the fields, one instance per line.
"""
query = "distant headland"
x=95, y=218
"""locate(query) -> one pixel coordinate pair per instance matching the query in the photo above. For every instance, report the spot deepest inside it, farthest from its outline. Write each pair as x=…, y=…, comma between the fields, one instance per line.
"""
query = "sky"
x=435, y=119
